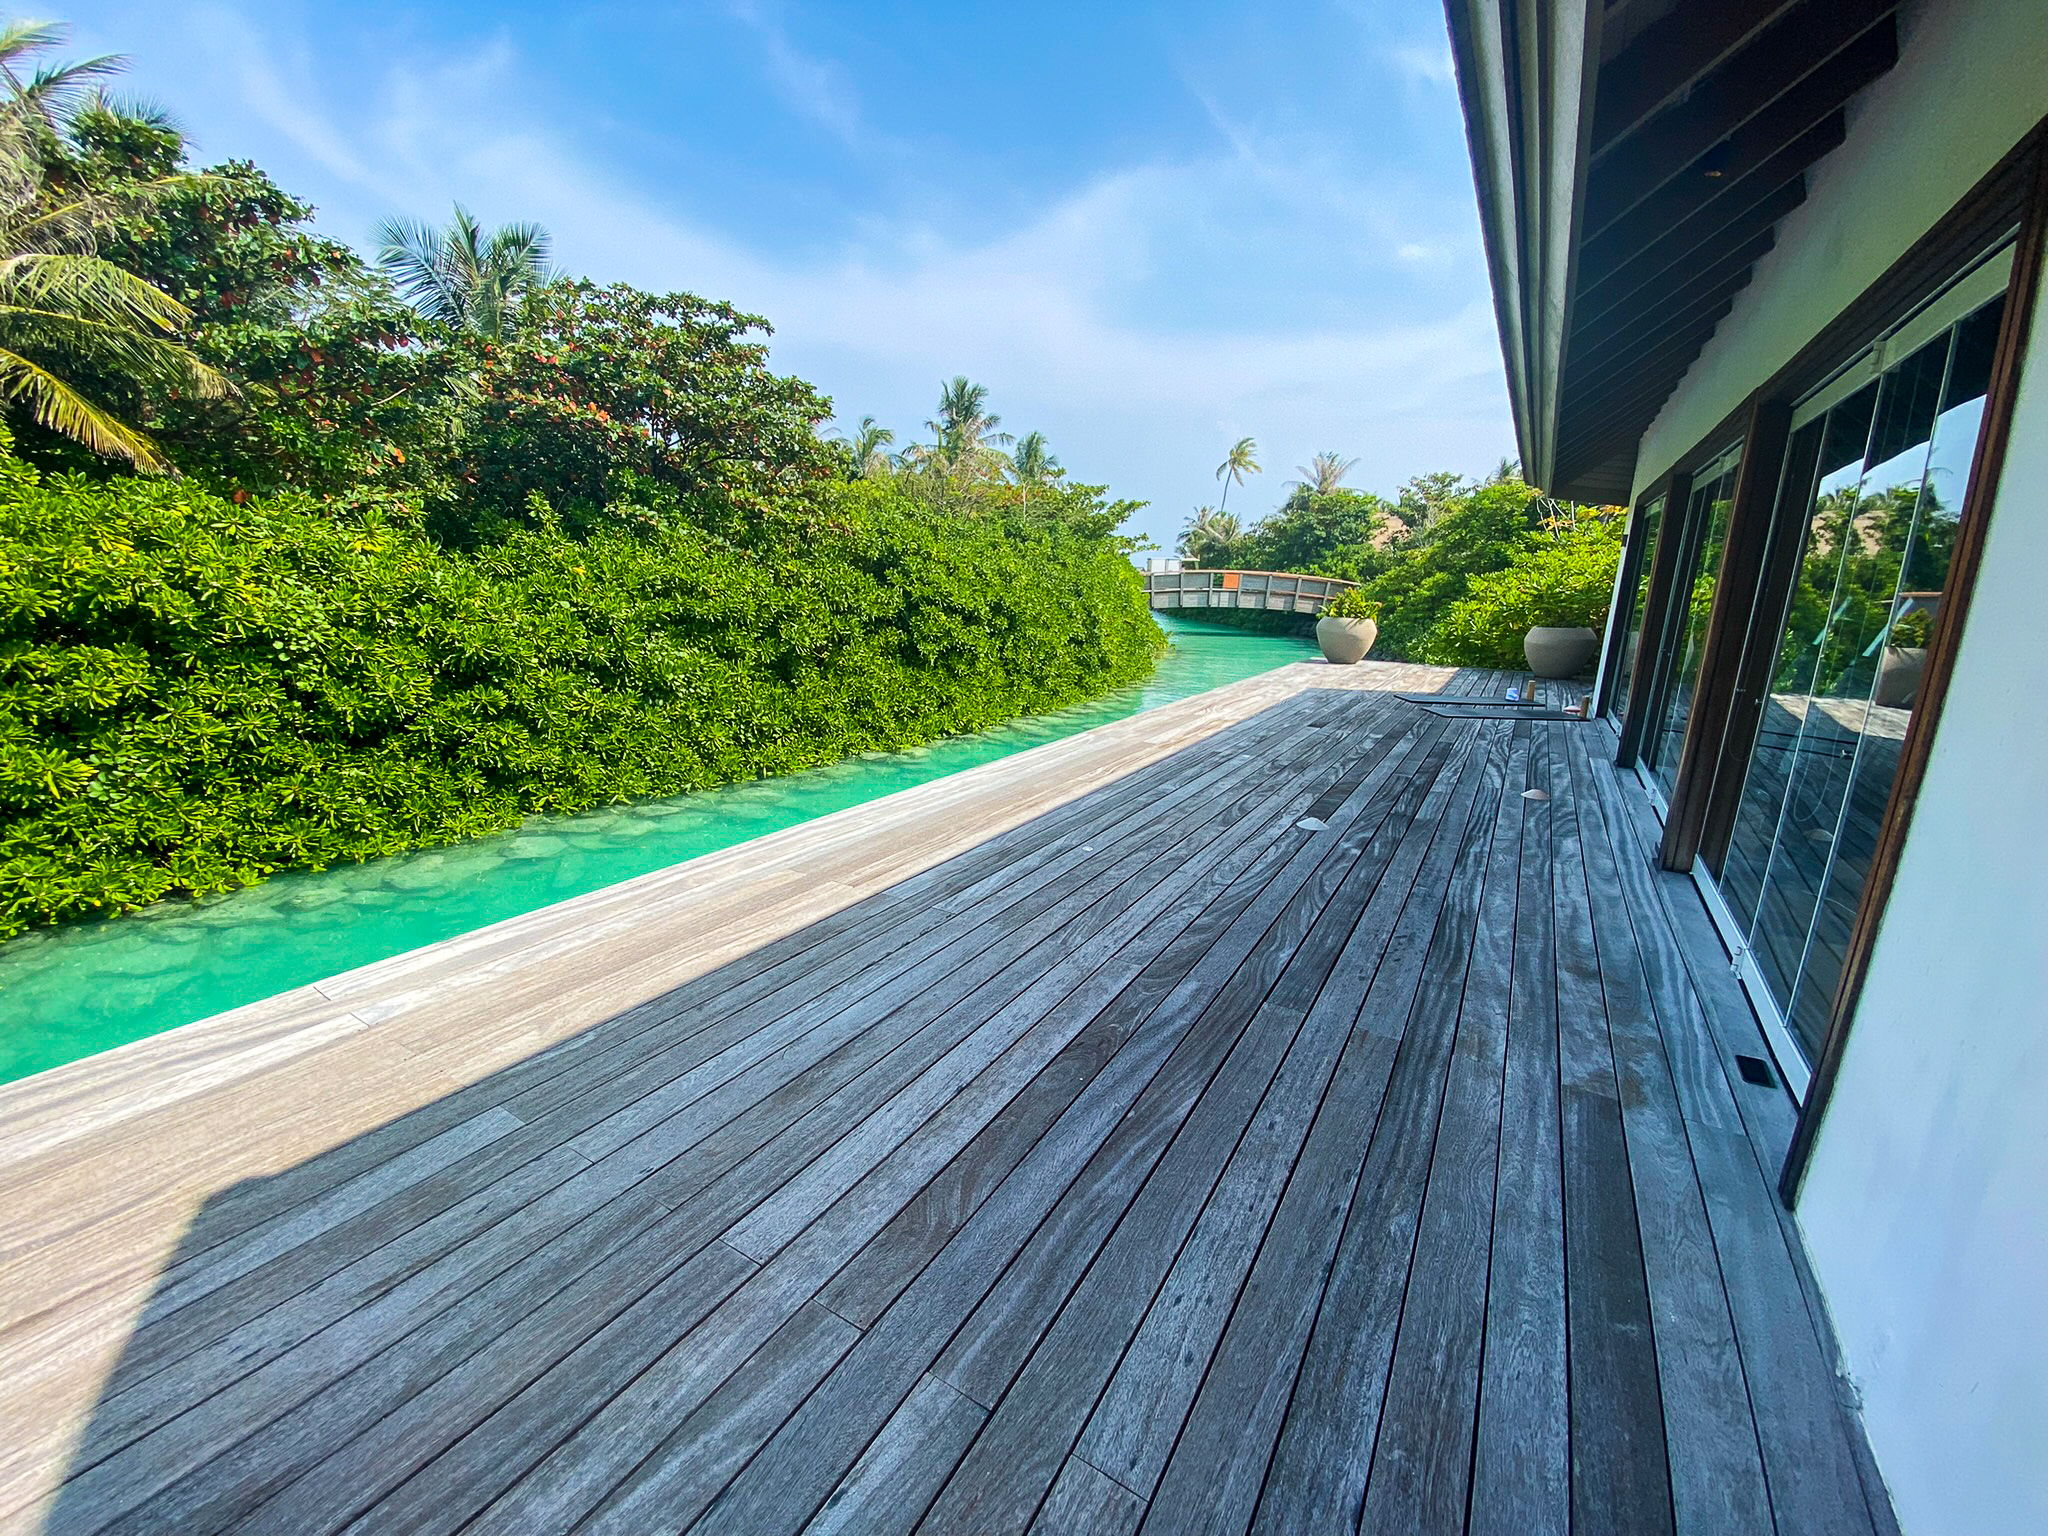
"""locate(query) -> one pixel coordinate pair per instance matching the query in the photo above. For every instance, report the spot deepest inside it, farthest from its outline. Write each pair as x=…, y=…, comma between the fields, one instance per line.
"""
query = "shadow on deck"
x=1306, y=1130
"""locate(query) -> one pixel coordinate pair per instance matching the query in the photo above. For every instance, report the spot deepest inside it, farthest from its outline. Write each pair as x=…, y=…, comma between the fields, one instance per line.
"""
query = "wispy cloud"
x=278, y=85
x=1430, y=63
x=813, y=88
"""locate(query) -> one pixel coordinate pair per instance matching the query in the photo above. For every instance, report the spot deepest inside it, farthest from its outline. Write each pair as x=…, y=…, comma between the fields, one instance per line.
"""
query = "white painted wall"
x=1926, y=1203
x=1972, y=78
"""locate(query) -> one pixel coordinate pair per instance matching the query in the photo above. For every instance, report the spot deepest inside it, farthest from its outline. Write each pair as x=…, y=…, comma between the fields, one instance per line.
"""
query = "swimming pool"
x=77, y=990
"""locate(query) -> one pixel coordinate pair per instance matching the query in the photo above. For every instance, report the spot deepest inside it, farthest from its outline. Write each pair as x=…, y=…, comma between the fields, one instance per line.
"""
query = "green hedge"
x=1565, y=578
x=195, y=694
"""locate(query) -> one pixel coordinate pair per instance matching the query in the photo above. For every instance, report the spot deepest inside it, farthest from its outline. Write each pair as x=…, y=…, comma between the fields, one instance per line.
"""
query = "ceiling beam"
x=1628, y=400
x=1667, y=56
x=1825, y=54
x=1646, y=304
x=1690, y=245
x=1671, y=352
x=1765, y=153
x=1605, y=484
x=1582, y=458
x=1617, y=349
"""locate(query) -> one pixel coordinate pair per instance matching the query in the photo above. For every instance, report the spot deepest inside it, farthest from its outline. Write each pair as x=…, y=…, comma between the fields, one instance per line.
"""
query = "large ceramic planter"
x=1898, y=676
x=1554, y=652
x=1345, y=641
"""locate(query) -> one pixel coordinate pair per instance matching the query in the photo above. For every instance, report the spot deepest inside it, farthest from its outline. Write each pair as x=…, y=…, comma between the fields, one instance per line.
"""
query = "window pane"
x=1845, y=433
x=1862, y=531
x=1763, y=786
x=1642, y=548
x=1708, y=515
x=1918, y=531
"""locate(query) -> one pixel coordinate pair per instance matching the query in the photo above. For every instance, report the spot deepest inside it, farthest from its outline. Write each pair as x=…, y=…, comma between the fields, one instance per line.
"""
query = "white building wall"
x=1972, y=78
x=1925, y=1207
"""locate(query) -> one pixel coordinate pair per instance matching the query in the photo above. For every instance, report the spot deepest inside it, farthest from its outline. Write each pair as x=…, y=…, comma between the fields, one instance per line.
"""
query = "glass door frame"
x=1685, y=525
x=1628, y=579
x=1786, y=1053
x=1980, y=284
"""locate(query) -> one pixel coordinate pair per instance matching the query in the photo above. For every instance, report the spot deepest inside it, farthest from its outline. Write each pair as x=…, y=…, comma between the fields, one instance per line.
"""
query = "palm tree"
x=965, y=435
x=1242, y=460
x=1212, y=536
x=460, y=275
x=1032, y=464
x=1324, y=473
x=1030, y=459
x=61, y=305
x=868, y=448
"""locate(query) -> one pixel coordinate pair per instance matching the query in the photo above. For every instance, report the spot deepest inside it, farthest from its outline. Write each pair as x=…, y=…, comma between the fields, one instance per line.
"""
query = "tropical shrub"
x=1562, y=578
x=1457, y=571
x=1351, y=604
x=612, y=402
x=339, y=389
x=196, y=692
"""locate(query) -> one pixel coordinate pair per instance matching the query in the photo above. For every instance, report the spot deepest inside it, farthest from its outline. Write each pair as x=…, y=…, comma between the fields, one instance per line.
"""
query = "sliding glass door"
x=1667, y=705
x=1875, y=473
x=1635, y=596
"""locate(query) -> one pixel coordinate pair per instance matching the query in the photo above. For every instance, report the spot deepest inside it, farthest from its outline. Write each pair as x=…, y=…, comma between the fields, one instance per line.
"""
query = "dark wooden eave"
x=1696, y=130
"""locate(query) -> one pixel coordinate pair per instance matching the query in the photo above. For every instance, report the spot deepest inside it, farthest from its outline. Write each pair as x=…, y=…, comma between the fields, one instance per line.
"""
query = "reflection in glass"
x=1823, y=455
x=1889, y=465
x=1916, y=538
x=1706, y=529
x=1642, y=538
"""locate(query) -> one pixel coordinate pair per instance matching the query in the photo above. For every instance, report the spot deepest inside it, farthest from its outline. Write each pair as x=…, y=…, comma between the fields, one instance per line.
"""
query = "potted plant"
x=1347, y=627
x=1904, y=661
x=1559, y=651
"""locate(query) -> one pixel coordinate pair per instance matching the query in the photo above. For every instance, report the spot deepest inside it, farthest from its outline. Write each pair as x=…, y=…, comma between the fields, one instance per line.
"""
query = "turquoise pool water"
x=69, y=992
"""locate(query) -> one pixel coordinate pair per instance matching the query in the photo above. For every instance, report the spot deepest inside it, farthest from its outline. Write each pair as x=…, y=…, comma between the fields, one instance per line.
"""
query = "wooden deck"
x=1302, y=1131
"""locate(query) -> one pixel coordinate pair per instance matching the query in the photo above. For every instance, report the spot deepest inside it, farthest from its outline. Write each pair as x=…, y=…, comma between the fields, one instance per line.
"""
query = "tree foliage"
x=612, y=404
x=1560, y=577
x=1213, y=538
x=1313, y=530
x=1241, y=460
x=339, y=389
x=72, y=322
x=459, y=275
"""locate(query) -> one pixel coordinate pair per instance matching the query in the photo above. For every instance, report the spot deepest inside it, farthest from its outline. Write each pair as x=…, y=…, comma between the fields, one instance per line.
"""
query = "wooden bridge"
x=1276, y=591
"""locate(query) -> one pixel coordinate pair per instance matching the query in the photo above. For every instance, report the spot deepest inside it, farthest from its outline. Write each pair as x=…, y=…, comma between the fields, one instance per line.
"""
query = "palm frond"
x=460, y=275
x=74, y=225
x=129, y=108
x=521, y=248
x=52, y=95
x=137, y=354
x=88, y=287
x=61, y=305
x=20, y=38
x=411, y=255
x=63, y=409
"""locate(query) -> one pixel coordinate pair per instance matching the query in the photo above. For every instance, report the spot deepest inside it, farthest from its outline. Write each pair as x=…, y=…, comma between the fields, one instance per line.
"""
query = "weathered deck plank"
x=1303, y=1132
x=1520, y=1481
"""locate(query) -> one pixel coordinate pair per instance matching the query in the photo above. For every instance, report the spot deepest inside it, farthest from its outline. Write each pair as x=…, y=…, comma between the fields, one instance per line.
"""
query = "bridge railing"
x=1274, y=591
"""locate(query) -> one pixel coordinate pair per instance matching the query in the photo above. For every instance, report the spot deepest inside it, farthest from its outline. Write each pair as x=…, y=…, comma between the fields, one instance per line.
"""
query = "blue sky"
x=1147, y=228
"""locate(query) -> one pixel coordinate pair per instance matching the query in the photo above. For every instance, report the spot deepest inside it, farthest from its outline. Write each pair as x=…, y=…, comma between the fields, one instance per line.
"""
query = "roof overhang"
x=1632, y=160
